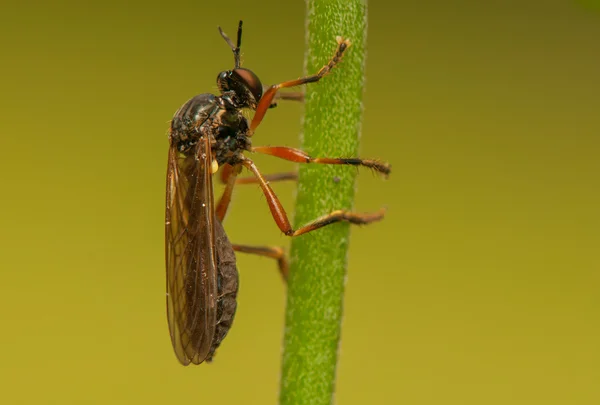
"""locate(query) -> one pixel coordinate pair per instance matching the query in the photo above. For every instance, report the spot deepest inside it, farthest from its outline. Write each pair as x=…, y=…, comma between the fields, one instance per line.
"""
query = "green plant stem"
x=332, y=123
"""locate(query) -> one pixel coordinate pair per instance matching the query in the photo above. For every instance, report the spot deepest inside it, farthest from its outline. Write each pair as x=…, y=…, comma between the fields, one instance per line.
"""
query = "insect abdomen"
x=227, y=287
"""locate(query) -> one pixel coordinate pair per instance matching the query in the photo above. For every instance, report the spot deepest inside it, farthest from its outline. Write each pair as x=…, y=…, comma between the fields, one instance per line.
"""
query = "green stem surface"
x=332, y=123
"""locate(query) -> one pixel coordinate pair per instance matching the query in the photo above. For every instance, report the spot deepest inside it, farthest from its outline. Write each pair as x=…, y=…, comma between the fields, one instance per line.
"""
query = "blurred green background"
x=480, y=287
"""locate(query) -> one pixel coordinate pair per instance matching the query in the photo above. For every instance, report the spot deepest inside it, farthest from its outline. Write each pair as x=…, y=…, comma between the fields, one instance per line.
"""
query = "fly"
x=209, y=134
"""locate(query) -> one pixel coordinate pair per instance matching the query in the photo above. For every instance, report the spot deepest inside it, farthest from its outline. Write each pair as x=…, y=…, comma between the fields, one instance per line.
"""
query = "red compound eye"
x=251, y=81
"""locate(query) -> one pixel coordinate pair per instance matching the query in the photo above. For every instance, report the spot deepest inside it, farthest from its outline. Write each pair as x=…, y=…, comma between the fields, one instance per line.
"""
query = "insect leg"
x=226, y=172
x=292, y=96
x=299, y=156
x=273, y=252
x=282, y=221
x=269, y=95
x=272, y=177
x=228, y=176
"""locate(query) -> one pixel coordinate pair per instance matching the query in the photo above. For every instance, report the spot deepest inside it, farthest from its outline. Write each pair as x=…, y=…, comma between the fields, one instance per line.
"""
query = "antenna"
x=234, y=48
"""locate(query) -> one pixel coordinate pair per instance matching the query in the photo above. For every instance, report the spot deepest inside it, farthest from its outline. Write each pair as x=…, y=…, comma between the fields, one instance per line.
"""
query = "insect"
x=208, y=134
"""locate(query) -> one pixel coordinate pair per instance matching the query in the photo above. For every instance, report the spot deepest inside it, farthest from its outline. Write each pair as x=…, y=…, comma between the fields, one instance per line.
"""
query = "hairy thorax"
x=205, y=115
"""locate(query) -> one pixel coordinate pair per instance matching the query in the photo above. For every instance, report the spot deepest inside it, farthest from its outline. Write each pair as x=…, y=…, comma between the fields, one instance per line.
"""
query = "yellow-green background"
x=480, y=287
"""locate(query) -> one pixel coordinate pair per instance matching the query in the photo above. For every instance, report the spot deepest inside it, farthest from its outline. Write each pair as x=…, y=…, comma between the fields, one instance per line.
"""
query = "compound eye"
x=251, y=81
x=222, y=81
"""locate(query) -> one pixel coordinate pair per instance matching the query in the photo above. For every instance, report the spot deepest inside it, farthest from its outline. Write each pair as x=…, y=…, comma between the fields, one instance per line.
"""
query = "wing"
x=190, y=253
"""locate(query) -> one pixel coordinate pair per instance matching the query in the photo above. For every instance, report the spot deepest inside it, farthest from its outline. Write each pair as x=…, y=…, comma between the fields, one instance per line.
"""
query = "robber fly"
x=207, y=134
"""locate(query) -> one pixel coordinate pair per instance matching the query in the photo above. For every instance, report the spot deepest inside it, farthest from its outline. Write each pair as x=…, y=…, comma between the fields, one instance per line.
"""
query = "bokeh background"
x=480, y=287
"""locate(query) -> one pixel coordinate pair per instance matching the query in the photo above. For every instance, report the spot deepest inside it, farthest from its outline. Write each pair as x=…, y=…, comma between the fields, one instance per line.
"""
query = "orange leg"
x=273, y=252
x=281, y=218
x=228, y=176
x=267, y=98
x=299, y=156
x=224, y=173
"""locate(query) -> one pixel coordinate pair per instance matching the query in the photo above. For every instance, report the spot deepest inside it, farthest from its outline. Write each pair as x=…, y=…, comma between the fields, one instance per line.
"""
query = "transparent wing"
x=190, y=253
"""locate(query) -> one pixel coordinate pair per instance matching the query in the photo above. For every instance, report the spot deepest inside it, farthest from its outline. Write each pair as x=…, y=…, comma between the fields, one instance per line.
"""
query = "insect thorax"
x=205, y=116
x=187, y=123
x=230, y=136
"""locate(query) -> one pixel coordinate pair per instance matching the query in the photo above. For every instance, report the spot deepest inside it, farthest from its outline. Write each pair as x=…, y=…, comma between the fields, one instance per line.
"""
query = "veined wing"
x=190, y=254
